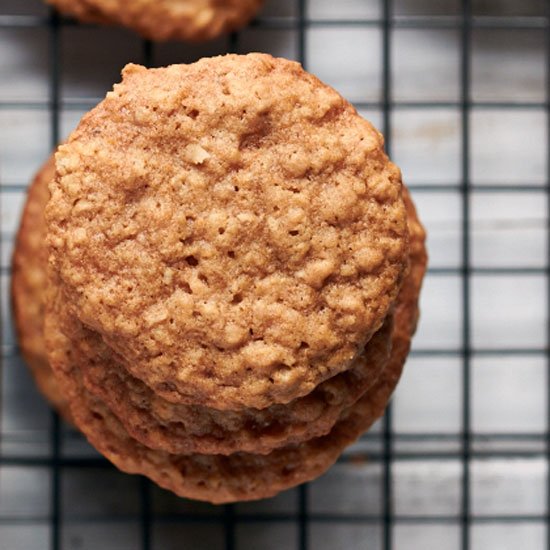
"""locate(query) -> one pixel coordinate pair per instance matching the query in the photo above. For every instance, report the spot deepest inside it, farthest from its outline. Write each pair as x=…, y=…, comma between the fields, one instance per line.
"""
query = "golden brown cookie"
x=28, y=287
x=241, y=476
x=237, y=201
x=179, y=429
x=193, y=20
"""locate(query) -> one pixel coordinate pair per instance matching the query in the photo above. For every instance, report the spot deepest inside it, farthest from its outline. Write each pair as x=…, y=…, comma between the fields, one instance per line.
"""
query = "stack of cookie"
x=233, y=279
x=193, y=20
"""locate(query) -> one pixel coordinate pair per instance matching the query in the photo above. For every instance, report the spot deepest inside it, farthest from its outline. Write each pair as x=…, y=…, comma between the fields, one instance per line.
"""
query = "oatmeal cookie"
x=232, y=228
x=178, y=429
x=241, y=476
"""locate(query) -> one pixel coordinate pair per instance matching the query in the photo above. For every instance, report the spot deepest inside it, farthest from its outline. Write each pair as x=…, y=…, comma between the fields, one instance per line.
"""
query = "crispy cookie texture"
x=241, y=476
x=192, y=20
x=232, y=228
x=28, y=287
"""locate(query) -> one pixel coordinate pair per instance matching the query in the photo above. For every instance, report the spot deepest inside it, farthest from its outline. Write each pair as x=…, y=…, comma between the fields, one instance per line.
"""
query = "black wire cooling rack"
x=56, y=493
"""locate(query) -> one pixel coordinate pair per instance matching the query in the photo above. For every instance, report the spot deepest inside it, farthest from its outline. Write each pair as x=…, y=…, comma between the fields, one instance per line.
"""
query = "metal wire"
x=55, y=443
x=466, y=334
x=548, y=268
x=469, y=445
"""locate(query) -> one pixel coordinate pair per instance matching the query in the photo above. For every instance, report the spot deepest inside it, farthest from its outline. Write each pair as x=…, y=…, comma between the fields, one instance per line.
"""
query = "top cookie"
x=232, y=228
x=194, y=20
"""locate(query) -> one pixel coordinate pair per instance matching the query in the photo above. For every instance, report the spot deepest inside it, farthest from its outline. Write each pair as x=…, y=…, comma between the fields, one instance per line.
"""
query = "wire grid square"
x=442, y=297
x=117, y=496
x=267, y=535
x=509, y=230
x=334, y=57
x=107, y=535
x=350, y=535
x=348, y=488
x=460, y=90
x=509, y=535
x=429, y=488
x=25, y=416
x=429, y=398
x=28, y=7
x=21, y=535
x=509, y=488
x=426, y=145
x=89, y=73
x=509, y=394
x=426, y=535
x=499, y=71
x=25, y=58
x=25, y=492
x=502, y=156
x=414, y=50
x=199, y=535
x=508, y=7
x=24, y=143
x=426, y=8
x=346, y=10
x=493, y=299
x=5, y=309
x=440, y=213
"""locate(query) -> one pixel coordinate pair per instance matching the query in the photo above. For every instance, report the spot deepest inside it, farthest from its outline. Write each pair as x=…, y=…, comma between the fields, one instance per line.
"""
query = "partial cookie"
x=240, y=202
x=28, y=287
x=242, y=476
x=193, y=20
